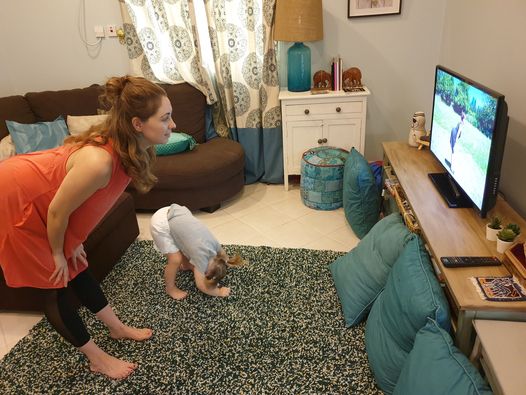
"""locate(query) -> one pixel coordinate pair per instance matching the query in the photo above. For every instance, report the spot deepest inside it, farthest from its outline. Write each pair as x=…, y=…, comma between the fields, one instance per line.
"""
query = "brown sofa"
x=198, y=179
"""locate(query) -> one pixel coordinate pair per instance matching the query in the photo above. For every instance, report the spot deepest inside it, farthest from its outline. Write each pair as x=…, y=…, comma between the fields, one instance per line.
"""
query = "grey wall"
x=485, y=41
x=41, y=49
x=397, y=55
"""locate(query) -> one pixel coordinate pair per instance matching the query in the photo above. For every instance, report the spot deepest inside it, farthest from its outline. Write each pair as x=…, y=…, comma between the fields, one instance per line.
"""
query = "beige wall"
x=485, y=41
x=397, y=55
x=40, y=49
x=40, y=46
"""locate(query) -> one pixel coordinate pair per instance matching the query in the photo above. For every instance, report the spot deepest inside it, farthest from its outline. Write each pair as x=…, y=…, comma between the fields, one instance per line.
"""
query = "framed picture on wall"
x=373, y=7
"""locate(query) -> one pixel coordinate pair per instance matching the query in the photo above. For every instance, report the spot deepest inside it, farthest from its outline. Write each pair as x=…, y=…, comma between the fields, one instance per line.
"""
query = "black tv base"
x=450, y=191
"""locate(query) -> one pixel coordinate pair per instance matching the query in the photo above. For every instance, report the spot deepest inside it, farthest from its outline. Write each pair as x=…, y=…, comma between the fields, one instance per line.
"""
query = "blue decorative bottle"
x=298, y=77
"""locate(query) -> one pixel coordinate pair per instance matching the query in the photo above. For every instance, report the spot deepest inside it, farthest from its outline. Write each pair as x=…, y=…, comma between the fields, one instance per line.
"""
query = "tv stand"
x=452, y=194
x=447, y=232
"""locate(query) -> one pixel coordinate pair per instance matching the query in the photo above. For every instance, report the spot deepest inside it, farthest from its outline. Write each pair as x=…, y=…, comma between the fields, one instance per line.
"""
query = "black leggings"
x=62, y=313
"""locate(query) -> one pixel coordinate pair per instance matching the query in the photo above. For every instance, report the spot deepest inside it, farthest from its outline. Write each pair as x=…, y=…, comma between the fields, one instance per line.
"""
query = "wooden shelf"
x=451, y=232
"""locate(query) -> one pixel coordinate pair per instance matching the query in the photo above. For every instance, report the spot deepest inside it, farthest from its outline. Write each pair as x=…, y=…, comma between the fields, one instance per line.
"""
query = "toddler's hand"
x=223, y=292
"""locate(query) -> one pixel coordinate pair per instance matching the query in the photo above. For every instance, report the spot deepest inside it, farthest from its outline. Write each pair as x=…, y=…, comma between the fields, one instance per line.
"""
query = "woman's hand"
x=79, y=255
x=61, y=272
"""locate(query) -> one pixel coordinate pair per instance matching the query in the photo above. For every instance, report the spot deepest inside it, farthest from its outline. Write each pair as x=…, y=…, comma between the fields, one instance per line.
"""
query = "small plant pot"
x=491, y=234
x=502, y=246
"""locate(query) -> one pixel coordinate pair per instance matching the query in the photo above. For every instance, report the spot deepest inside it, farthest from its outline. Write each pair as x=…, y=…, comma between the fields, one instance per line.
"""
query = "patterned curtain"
x=163, y=44
x=247, y=81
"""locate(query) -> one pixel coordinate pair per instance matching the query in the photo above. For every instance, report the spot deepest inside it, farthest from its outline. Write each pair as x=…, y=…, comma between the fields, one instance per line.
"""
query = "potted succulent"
x=493, y=227
x=507, y=236
x=515, y=228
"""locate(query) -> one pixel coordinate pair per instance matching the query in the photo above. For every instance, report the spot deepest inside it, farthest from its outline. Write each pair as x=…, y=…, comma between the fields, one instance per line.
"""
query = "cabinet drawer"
x=309, y=109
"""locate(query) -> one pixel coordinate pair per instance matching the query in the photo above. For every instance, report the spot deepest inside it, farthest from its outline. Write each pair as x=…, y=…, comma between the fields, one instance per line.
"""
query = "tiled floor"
x=259, y=215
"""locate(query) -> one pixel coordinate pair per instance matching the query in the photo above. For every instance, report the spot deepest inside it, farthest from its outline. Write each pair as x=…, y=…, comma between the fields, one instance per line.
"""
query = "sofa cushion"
x=78, y=124
x=188, y=109
x=361, y=274
x=48, y=105
x=411, y=295
x=37, y=136
x=361, y=198
x=14, y=108
x=177, y=142
x=435, y=367
x=7, y=148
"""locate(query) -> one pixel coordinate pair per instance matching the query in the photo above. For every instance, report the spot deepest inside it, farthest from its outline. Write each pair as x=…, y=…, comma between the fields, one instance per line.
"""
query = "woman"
x=51, y=200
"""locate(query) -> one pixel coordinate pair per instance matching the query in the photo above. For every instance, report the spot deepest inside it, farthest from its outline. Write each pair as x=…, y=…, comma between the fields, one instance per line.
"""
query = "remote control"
x=465, y=261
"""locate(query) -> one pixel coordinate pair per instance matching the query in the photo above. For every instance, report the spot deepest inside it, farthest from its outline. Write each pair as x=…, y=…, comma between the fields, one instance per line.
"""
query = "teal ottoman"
x=321, y=182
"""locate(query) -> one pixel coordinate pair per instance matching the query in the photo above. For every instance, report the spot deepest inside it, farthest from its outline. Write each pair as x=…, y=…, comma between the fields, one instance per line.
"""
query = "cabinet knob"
x=324, y=140
x=306, y=111
x=338, y=109
x=320, y=141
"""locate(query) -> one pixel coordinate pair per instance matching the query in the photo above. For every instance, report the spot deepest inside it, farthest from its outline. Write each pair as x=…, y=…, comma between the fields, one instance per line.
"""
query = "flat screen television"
x=468, y=134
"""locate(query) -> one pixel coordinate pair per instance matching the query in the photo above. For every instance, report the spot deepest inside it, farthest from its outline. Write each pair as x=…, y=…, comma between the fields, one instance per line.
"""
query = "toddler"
x=189, y=245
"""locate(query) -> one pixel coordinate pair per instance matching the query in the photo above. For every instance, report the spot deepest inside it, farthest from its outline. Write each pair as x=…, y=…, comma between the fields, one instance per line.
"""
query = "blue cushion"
x=411, y=295
x=37, y=136
x=177, y=142
x=361, y=197
x=436, y=367
x=360, y=275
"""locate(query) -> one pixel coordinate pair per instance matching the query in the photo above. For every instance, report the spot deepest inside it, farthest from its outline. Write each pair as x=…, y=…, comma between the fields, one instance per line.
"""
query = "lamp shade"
x=298, y=20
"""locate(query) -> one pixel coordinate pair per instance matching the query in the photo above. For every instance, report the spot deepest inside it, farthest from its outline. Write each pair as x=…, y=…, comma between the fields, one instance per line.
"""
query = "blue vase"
x=298, y=77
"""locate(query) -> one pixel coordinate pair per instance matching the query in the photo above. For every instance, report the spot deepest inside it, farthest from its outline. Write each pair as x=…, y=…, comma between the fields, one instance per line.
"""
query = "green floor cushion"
x=361, y=197
x=411, y=295
x=177, y=142
x=361, y=274
x=436, y=367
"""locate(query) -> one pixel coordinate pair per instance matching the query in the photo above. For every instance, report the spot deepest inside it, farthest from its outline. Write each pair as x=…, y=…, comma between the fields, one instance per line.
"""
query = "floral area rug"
x=280, y=332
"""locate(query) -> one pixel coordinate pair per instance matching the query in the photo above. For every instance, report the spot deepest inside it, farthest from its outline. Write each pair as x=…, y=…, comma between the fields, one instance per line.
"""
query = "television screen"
x=468, y=134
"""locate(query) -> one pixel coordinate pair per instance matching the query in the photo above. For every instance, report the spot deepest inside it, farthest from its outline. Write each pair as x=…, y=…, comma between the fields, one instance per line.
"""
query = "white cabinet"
x=334, y=119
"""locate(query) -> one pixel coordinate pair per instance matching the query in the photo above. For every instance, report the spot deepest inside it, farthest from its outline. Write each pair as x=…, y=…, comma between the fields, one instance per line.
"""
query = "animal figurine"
x=352, y=78
x=418, y=128
x=322, y=79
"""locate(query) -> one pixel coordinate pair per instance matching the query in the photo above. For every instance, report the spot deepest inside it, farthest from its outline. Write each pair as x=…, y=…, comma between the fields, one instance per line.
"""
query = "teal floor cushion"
x=177, y=142
x=436, y=367
x=361, y=274
x=361, y=196
x=322, y=177
x=411, y=295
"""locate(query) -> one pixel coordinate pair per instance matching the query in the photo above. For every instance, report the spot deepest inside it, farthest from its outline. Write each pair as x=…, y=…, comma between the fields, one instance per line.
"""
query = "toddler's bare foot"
x=177, y=293
x=128, y=332
x=223, y=292
x=112, y=367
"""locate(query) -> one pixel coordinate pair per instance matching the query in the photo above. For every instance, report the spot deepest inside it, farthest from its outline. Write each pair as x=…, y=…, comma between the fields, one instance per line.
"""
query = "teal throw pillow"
x=361, y=197
x=411, y=295
x=361, y=274
x=37, y=136
x=436, y=367
x=177, y=142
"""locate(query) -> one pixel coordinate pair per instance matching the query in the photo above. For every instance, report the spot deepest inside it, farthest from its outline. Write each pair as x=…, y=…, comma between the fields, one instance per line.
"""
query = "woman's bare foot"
x=177, y=293
x=129, y=332
x=113, y=367
x=102, y=362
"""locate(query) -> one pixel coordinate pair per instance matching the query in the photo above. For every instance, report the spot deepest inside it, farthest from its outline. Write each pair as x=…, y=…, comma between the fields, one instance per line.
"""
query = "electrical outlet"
x=111, y=31
x=99, y=31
